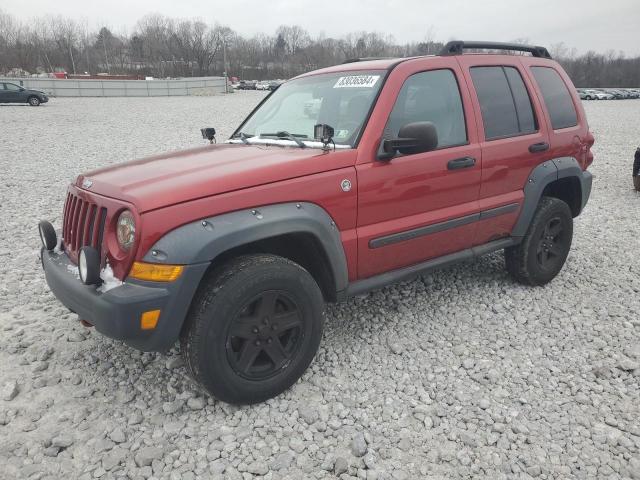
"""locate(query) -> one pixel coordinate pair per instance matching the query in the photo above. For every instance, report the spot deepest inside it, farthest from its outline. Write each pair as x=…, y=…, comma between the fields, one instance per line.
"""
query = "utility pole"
x=73, y=62
x=224, y=61
x=106, y=59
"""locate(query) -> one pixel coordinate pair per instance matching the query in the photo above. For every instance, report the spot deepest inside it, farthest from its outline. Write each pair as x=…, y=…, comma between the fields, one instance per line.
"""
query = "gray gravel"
x=458, y=374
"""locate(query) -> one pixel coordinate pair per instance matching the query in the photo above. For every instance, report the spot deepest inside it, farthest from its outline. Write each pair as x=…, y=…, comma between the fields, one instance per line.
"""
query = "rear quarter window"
x=556, y=97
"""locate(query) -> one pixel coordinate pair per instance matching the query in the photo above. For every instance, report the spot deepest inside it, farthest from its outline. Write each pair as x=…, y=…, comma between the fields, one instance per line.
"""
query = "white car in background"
x=597, y=95
x=262, y=86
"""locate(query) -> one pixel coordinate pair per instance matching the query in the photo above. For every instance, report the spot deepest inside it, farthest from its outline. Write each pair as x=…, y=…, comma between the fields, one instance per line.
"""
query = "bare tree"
x=162, y=46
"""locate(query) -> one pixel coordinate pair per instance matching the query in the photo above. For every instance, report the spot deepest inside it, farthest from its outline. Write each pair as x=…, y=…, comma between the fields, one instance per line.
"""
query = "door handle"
x=464, y=162
x=539, y=147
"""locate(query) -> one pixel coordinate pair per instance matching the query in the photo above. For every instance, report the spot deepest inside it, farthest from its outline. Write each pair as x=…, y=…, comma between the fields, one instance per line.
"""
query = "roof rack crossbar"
x=456, y=47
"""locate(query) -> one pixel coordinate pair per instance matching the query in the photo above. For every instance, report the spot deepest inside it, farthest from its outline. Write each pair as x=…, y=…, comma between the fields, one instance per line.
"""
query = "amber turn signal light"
x=149, y=320
x=155, y=272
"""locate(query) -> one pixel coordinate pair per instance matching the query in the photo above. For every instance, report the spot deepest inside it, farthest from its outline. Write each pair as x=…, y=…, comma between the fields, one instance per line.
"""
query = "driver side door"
x=416, y=207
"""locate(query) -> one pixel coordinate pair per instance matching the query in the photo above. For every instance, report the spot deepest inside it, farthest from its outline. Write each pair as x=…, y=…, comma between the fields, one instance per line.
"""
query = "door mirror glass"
x=416, y=137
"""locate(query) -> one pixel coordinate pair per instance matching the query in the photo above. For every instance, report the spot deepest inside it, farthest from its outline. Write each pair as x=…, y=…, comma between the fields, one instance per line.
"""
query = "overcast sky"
x=584, y=24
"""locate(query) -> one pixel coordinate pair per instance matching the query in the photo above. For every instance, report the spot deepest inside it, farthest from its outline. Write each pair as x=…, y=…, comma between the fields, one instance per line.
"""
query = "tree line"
x=160, y=46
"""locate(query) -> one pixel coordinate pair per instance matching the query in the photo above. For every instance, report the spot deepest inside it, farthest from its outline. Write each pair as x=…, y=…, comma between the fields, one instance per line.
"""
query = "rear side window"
x=431, y=96
x=504, y=102
x=556, y=97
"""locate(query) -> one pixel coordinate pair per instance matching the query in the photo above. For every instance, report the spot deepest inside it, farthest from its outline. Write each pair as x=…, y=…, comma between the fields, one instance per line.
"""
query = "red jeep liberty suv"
x=341, y=181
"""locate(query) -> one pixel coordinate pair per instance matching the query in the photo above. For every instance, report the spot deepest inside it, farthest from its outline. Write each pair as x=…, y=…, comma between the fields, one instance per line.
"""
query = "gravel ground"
x=458, y=374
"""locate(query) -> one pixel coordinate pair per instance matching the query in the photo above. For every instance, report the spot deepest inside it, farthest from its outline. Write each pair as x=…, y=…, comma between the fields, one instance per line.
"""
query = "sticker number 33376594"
x=358, y=81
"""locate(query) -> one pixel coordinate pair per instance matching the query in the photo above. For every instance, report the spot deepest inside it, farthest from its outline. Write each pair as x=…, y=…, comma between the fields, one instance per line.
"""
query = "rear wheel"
x=253, y=329
x=33, y=101
x=544, y=249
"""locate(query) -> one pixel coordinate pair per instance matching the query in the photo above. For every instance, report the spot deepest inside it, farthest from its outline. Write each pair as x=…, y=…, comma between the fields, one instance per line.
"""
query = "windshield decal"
x=357, y=81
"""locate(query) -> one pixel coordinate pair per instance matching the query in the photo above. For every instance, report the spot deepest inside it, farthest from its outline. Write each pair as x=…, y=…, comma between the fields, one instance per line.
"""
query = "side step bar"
x=362, y=286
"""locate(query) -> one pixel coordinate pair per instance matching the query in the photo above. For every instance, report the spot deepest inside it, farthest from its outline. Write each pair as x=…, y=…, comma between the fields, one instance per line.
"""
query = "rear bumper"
x=116, y=313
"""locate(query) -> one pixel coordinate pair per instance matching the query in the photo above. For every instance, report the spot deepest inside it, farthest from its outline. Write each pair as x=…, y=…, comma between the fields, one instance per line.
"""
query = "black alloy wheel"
x=541, y=254
x=265, y=335
x=551, y=244
x=254, y=326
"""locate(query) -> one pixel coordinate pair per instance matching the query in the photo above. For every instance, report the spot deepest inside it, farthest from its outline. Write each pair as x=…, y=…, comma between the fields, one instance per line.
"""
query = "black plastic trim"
x=116, y=313
x=362, y=286
x=441, y=226
x=206, y=239
x=457, y=47
x=495, y=212
x=543, y=175
x=422, y=231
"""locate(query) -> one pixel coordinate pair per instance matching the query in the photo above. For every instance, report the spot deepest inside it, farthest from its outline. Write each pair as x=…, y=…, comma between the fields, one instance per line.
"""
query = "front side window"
x=556, y=97
x=431, y=96
x=11, y=87
x=504, y=102
x=341, y=100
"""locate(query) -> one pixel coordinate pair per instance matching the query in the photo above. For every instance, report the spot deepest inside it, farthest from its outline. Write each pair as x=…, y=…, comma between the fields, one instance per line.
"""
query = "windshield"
x=340, y=100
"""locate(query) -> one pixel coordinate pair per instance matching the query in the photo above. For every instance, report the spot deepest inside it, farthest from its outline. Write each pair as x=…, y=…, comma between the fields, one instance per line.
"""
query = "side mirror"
x=209, y=134
x=416, y=137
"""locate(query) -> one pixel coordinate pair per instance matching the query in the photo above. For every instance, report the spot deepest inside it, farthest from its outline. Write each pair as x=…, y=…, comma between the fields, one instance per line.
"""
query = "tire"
x=33, y=101
x=253, y=328
x=544, y=249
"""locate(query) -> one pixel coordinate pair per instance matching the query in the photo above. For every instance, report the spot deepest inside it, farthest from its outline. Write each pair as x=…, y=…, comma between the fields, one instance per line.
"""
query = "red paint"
x=170, y=190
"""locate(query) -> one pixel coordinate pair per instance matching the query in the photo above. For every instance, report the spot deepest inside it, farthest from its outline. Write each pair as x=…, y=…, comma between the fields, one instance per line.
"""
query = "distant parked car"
x=262, y=86
x=591, y=94
x=247, y=85
x=12, y=93
x=617, y=94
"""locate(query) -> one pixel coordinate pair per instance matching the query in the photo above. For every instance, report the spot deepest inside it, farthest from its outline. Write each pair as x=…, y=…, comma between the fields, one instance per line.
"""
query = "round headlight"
x=126, y=230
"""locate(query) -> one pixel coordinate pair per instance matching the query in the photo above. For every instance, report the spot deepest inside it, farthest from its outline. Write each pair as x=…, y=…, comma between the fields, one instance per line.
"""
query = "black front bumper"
x=116, y=313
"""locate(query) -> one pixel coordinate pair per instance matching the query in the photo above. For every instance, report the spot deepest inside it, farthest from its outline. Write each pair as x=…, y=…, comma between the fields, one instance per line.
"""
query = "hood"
x=177, y=177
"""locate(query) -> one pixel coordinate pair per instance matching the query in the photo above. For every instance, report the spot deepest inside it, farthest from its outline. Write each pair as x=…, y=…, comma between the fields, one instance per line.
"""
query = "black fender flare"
x=543, y=175
x=205, y=239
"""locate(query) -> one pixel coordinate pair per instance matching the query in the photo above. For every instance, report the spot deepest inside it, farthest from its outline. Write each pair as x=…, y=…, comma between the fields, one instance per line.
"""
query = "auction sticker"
x=357, y=81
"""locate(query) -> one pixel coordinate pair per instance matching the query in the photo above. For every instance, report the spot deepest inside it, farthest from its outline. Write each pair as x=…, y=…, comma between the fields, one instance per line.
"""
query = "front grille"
x=83, y=224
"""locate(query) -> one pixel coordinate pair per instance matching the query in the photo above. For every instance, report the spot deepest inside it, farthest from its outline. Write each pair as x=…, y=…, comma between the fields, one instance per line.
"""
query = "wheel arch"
x=302, y=232
x=561, y=178
x=568, y=190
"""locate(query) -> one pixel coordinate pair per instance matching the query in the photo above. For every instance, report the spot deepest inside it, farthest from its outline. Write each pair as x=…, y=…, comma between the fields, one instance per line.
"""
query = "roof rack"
x=456, y=47
x=365, y=59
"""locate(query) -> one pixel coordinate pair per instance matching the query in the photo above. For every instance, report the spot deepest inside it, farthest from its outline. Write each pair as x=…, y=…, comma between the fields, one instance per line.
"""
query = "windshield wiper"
x=286, y=136
x=242, y=136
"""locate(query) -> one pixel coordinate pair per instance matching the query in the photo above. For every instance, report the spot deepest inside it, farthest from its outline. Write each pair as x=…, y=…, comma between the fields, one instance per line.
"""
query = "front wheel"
x=253, y=329
x=34, y=101
x=544, y=249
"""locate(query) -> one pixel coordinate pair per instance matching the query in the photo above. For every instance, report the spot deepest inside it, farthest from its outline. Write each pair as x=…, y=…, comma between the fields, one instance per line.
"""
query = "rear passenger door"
x=514, y=139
